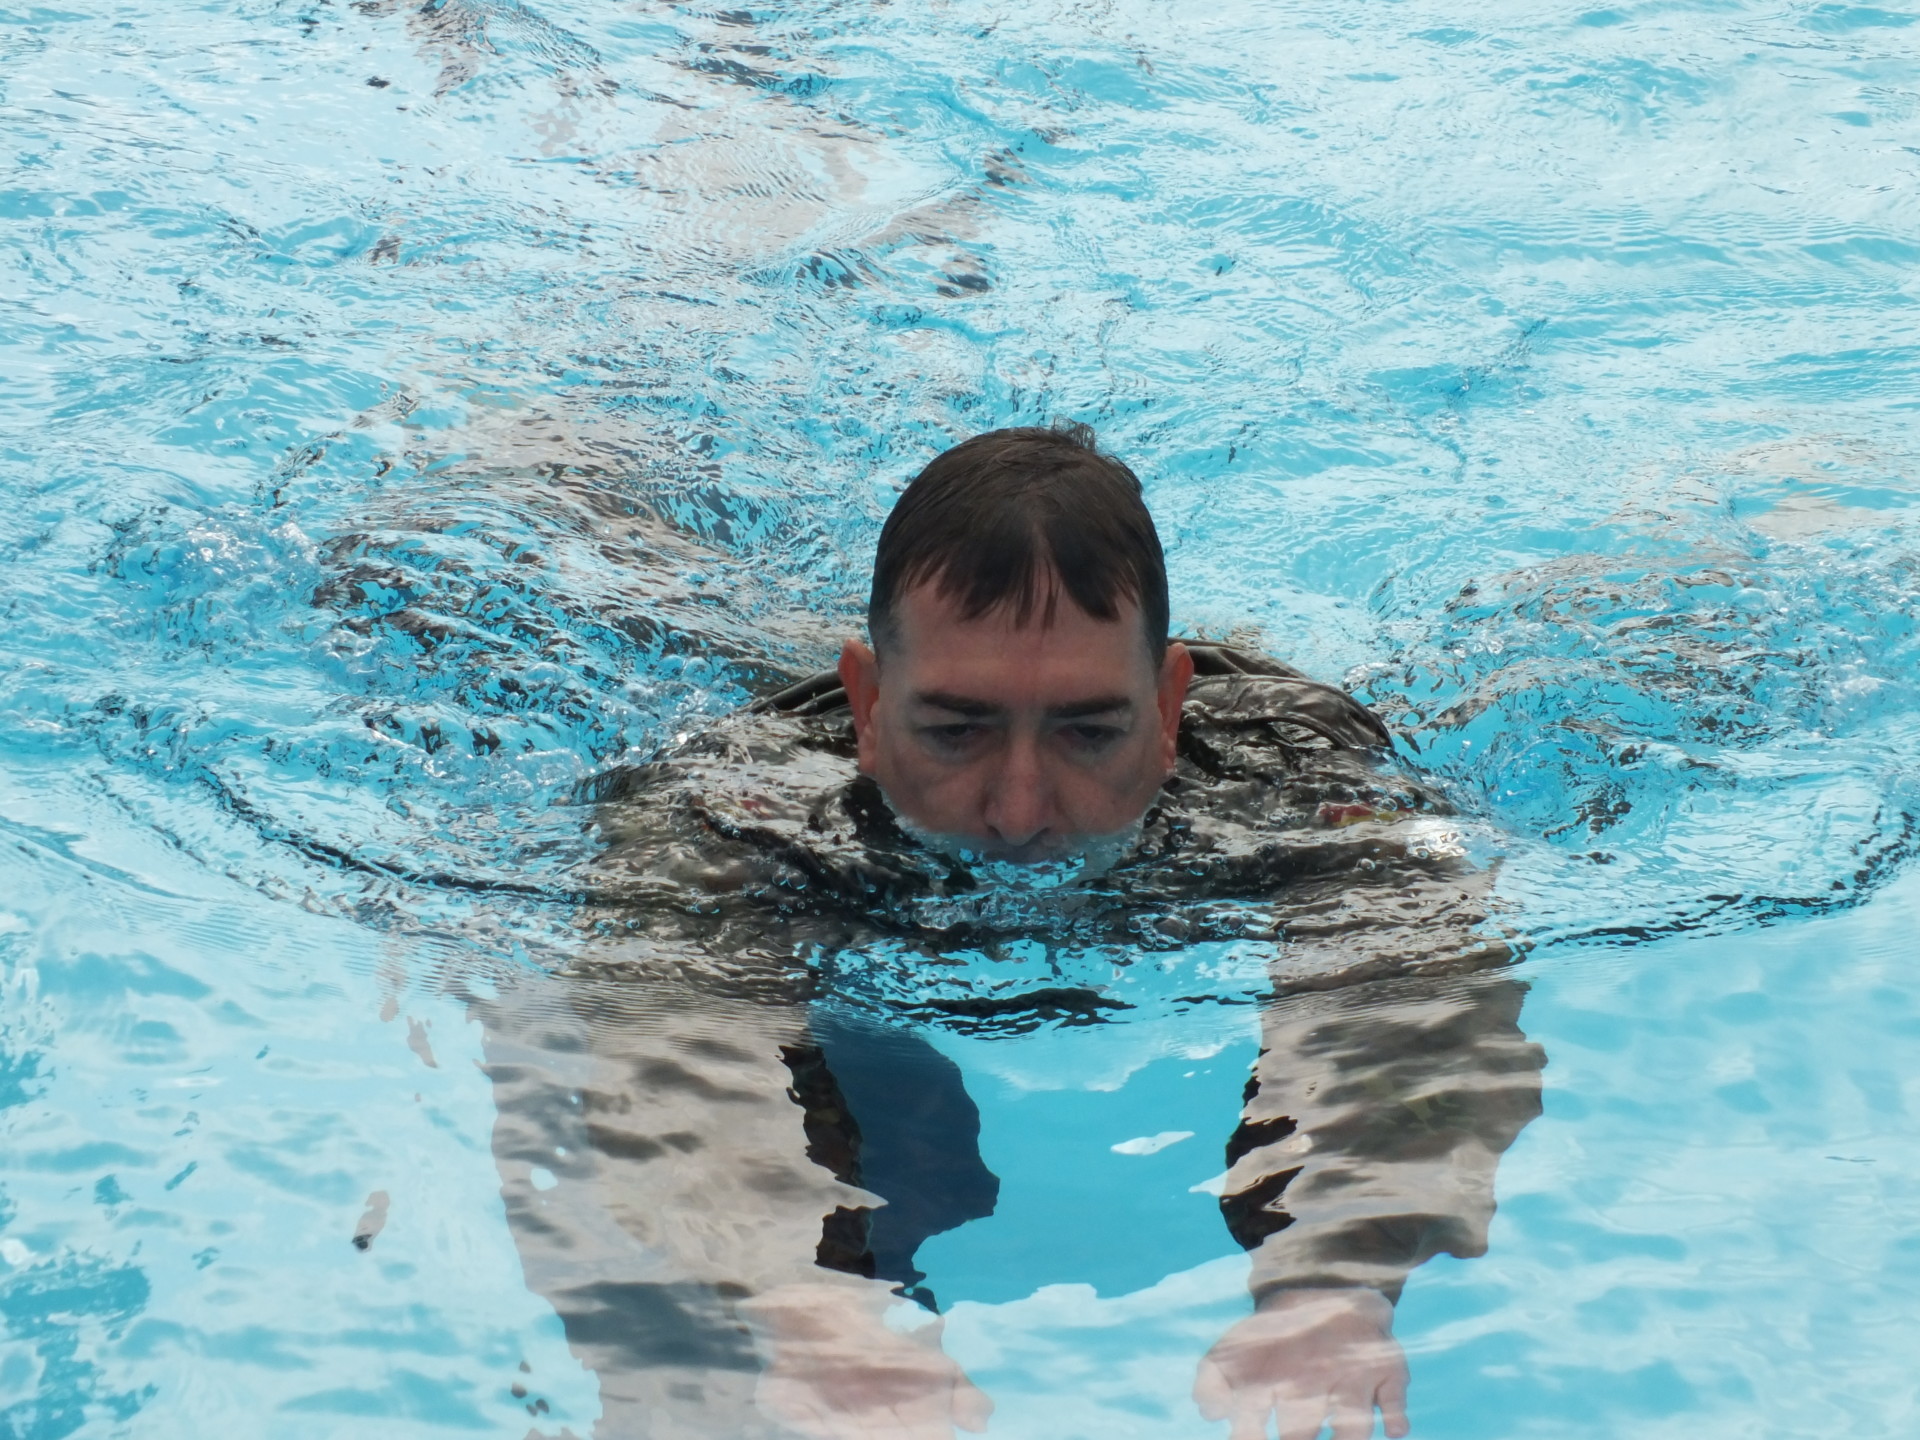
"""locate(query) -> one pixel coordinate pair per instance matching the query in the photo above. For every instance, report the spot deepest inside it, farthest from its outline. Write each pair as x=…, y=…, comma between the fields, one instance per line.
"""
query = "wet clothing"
x=729, y=1126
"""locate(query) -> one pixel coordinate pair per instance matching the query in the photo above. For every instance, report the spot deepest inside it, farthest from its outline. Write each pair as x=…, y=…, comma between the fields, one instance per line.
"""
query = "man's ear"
x=1176, y=673
x=860, y=674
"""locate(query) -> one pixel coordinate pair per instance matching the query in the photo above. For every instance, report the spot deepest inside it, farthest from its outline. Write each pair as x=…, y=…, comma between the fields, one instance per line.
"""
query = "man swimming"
x=1019, y=751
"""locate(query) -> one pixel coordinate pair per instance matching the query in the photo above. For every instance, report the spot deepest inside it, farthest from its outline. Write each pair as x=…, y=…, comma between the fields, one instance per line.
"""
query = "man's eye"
x=951, y=737
x=1092, y=737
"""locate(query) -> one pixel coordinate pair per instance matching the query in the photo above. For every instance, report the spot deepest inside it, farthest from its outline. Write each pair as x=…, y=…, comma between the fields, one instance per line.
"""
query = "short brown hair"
x=1013, y=516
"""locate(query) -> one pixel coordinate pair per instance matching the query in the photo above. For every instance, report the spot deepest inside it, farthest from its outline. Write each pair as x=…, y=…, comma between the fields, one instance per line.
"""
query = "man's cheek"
x=956, y=795
x=1090, y=798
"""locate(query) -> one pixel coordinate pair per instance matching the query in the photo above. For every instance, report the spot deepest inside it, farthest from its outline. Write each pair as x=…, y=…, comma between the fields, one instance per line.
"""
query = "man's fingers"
x=1353, y=1415
x=1250, y=1416
x=1211, y=1392
x=1391, y=1397
x=1300, y=1418
x=972, y=1406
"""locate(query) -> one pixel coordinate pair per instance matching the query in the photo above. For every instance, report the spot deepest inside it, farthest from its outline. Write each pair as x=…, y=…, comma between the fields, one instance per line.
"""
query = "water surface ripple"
x=409, y=411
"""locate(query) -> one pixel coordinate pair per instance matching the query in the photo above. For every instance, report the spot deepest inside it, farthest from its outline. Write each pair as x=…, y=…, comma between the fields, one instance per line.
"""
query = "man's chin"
x=1078, y=856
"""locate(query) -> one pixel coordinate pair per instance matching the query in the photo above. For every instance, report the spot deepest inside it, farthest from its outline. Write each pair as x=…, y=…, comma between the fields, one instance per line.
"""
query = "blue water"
x=390, y=397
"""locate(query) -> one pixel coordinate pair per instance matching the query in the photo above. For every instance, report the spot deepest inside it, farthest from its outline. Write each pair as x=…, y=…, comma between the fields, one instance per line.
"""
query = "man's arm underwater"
x=674, y=1178
x=1367, y=1145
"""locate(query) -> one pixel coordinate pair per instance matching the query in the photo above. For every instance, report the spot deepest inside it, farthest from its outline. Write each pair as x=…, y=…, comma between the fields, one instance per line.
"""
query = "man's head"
x=1020, y=696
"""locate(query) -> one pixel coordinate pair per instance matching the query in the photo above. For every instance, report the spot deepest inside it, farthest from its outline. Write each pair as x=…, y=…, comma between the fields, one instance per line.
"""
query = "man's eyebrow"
x=1072, y=710
x=1080, y=709
x=958, y=704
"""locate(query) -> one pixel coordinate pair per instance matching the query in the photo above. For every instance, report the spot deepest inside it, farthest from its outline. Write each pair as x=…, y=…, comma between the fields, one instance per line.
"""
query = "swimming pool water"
x=407, y=410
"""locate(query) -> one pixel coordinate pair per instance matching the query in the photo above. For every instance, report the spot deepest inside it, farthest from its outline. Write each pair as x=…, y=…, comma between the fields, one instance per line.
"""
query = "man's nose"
x=1019, y=805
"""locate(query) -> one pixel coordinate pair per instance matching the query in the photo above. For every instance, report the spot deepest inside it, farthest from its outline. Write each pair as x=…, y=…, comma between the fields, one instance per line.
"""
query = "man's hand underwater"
x=1308, y=1357
x=837, y=1372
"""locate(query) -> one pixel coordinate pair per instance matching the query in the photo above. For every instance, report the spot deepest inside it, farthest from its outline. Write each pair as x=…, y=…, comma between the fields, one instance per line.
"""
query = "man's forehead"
x=1005, y=658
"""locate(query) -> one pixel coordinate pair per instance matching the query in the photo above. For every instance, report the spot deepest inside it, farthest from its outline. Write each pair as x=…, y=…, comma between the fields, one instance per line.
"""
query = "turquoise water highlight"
x=406, y=411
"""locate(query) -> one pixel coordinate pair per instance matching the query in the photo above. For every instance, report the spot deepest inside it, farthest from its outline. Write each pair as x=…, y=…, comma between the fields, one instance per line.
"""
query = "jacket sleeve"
x=1372, y=1126
x=669, y=1120
x=659, y=1173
